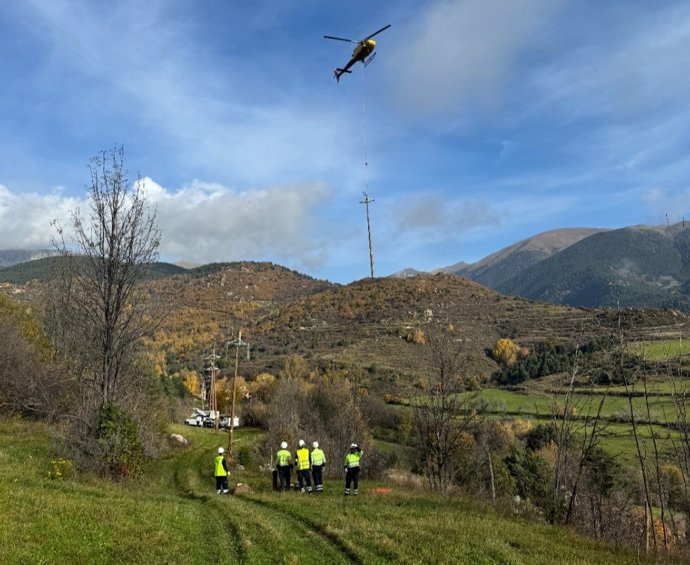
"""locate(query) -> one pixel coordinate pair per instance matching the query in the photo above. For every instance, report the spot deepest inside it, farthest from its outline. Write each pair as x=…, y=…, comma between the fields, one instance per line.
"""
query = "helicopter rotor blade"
x=338, y=38
x=377, y=32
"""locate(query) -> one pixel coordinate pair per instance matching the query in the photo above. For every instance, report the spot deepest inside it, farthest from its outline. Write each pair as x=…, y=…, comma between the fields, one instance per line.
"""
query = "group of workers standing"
x=310, y=466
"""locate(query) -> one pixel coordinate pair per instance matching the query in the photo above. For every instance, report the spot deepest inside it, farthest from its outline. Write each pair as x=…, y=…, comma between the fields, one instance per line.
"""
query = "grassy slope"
x=661, y=408
x=662, y=349
x=174, y=516
x=617, y=436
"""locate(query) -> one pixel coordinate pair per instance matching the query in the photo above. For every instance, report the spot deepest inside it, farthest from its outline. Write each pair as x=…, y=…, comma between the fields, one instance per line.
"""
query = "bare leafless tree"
x=445, y=414
x=640, y=446
x=102, y=315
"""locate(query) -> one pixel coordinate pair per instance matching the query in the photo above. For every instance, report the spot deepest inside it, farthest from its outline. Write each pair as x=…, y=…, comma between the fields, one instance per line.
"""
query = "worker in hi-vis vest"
x=283, y=466
x=318, y=461
x=303, y=466
x=352, y=469
x=220, y=471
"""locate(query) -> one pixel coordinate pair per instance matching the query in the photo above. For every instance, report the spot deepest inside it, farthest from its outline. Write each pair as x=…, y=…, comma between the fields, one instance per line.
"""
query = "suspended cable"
x=364, y=134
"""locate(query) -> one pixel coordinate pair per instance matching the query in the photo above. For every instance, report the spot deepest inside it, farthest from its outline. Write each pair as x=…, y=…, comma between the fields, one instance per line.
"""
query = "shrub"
x=532, y=476
x=244, y=456
x=122, y=453
x=61, y=469
x=416, y=336
x=540, y=436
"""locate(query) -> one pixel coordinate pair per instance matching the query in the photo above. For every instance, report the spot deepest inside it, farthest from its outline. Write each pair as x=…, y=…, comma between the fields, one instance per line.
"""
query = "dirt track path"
x=257, y=531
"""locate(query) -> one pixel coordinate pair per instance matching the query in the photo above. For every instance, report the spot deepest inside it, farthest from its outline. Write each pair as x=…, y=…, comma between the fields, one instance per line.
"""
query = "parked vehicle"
x=225, y=422
x=202, y=418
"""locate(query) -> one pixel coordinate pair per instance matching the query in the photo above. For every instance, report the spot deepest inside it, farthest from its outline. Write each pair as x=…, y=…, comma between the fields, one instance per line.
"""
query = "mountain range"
x=9, y=257
x=372, y=328
x=637, y=266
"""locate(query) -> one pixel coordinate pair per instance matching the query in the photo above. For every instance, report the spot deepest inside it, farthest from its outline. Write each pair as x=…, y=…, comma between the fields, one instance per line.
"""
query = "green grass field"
x=617, y=434
x=661, y=350
x=174, y=516
x=538, y=403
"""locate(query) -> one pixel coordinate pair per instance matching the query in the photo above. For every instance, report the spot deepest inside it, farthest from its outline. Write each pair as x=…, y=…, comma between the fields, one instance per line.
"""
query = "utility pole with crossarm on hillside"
x=237, y=343
x=366, y=202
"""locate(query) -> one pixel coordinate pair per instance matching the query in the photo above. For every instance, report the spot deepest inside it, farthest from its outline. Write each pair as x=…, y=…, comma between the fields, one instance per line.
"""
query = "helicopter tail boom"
x=339, y=72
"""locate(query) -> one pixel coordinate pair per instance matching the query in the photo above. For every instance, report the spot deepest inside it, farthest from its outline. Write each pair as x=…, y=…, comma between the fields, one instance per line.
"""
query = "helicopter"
x=363, y=52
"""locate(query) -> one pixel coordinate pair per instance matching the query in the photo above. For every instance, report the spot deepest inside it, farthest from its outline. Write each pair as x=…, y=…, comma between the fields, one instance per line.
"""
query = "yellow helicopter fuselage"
x=363, y=50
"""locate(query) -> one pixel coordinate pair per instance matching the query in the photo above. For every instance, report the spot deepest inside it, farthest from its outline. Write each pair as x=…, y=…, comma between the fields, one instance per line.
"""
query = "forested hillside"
x=635, y=267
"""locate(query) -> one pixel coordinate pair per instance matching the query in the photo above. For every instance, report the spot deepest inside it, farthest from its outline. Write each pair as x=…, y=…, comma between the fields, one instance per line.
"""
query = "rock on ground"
x=243, y=488
x=178, y=440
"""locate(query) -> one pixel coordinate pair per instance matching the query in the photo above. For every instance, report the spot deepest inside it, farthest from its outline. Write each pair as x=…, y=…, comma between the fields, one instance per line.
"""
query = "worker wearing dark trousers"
x=303, y=466
x=318, y=461
x=283, y=466
x=352, y=469
x=220, y=471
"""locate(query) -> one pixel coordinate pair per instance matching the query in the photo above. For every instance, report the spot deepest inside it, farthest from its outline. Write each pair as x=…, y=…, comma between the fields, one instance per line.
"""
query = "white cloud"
x=463, y=51
x=25, y=218
x=440, y=215
x=206, y=222
x=200, y=223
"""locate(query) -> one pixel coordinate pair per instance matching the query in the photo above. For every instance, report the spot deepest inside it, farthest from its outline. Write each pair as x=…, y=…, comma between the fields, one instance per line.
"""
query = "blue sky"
x=483, y=122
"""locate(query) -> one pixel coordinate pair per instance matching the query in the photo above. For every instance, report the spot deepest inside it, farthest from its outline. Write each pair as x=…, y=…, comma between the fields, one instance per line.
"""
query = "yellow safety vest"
x=352, y=459
x=318, y=457
x=283, y=458
x=220, y=470
x=303, y=459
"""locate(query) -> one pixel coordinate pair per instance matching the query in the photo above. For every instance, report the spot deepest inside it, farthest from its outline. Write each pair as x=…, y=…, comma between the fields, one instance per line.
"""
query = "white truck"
x=225, y=422
x=202, y=418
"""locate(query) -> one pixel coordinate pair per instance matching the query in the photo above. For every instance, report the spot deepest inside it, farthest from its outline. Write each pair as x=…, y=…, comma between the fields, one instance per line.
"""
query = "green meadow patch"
x=173, y=515
x=662, y=350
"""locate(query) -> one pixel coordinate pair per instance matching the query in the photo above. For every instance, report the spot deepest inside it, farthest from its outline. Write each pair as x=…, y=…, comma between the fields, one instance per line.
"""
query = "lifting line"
x=364, y=136
x=366, y=200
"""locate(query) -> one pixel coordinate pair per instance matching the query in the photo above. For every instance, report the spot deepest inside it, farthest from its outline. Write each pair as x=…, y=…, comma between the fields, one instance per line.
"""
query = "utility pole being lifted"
x=366, y=202
x=237, y=343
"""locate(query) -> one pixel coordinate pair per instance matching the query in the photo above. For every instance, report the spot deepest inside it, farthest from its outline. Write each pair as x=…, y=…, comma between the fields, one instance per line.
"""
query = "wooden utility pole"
x=366, y=202
x=237, y=343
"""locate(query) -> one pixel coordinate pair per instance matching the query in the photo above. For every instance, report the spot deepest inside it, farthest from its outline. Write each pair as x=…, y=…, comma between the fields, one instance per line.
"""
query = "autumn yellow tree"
x=191, y=381
x=295, y=367
x=506, y=351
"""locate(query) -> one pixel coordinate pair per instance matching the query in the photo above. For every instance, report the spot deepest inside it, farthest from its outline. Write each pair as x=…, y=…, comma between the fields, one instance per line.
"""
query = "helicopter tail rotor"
x=339, y=72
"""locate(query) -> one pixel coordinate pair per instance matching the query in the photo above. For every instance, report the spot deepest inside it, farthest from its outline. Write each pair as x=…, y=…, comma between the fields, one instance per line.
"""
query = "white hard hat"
x=353, y=445
x=301, y=443
x=315, y=444
x=221, y=450
x=283, y=445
